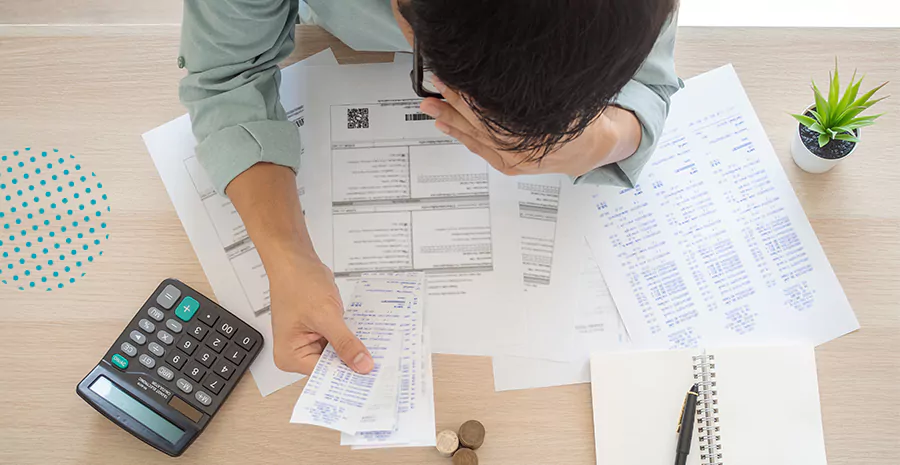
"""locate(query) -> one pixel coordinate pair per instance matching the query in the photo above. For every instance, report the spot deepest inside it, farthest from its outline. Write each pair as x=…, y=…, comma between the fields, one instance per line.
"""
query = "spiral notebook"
x=757, y=405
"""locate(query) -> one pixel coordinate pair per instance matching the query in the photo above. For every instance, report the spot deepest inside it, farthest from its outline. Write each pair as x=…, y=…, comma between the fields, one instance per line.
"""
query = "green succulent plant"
x=836, y=117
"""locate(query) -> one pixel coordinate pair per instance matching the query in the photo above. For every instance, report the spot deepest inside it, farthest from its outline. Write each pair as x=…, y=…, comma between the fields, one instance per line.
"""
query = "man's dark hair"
x=536, y=72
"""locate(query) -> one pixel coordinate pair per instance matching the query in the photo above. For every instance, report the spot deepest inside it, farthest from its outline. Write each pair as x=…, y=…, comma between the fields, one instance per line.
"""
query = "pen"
x=686, y=426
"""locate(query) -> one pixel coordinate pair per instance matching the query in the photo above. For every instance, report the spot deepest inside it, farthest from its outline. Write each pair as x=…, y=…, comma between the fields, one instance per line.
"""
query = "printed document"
x=712, y=247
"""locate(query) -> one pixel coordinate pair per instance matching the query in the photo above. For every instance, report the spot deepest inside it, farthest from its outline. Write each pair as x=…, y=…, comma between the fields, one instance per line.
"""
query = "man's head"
x=536, y=72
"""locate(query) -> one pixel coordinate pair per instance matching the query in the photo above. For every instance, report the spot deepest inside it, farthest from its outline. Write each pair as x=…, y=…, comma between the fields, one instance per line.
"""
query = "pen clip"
x=681, y=415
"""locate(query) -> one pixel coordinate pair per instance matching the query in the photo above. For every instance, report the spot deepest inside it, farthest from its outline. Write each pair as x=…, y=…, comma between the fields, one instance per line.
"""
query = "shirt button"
x=181, y=62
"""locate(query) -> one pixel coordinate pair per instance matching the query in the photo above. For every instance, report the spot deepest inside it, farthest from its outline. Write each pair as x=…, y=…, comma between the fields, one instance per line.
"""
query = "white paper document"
x=392, y=406
x=405, y=197
x=225, y=251
x=712, y=247
x=596, y=328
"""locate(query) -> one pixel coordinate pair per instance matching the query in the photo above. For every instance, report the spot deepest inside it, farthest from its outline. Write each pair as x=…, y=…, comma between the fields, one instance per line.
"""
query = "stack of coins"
x=461, y=445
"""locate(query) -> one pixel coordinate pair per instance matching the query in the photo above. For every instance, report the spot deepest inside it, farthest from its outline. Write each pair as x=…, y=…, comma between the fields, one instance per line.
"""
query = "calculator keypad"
x=188, y=344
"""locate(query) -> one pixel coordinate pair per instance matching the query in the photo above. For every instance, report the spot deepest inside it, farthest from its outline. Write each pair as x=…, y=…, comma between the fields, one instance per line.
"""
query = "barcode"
x=299, y=122
x=357, y=118
x=417, y=117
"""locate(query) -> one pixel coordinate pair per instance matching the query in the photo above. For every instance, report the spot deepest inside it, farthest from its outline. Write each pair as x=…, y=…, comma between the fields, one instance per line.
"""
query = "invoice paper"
x=712, y=247
x=218, y=236
x=596, y=328
x=405, y=197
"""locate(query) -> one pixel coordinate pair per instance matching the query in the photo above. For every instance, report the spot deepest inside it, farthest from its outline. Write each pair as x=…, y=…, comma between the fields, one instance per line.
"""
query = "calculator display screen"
x=109, y=391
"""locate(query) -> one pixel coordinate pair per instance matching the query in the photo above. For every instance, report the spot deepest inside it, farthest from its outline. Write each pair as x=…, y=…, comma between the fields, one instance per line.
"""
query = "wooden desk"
x=92, y=91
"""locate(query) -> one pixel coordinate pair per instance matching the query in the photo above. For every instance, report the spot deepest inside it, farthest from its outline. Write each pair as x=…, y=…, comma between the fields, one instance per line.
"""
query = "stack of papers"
x=392, y=406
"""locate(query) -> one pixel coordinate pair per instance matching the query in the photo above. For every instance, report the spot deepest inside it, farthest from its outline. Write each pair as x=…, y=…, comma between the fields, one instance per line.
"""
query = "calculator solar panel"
x=172, y=367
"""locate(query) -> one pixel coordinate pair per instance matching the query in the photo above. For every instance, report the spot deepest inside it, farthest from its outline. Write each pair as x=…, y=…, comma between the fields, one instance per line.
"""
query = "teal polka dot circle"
x=53, y=219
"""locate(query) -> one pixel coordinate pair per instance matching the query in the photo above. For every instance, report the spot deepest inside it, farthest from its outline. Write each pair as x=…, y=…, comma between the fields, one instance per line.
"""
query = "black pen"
x=686, y=426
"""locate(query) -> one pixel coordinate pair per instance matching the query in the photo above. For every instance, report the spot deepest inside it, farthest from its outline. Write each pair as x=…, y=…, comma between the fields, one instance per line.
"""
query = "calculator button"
x=215, y=342
x=165, y=337
x=187, y=344
x=165, y=373
x=168, y=296
x=176, y=359
x=187, y=308
x=235, y=355
x=197, y=330
x=184, y=385
x=214, y=383
x=205, y=357
x=156, y=349
x=156, y=313
x=194, y=370
x=173, y=326
x=138, y=337
x=147, y=361
x=119, y=361
x=146, y=325
x=203, y=398
x=129, y=349
x=225, y=327
x=246, y=339
x=207, y=316
x=223, y=369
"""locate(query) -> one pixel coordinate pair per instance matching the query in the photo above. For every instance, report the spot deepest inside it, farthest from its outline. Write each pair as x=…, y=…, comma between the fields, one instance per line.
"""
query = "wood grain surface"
x=92, y=91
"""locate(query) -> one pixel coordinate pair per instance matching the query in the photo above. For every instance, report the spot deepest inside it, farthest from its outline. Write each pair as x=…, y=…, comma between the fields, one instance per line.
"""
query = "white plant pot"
x=810, y=162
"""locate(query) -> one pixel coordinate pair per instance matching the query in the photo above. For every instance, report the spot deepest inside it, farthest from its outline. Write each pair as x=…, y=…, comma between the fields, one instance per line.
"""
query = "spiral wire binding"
x=708, y=410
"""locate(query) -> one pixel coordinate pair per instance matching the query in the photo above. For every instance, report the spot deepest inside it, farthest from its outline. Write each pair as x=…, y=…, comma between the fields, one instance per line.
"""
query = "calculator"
x=171, y=369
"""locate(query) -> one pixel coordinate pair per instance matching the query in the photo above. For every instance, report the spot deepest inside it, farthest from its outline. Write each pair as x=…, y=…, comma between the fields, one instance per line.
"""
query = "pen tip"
x=695, y=389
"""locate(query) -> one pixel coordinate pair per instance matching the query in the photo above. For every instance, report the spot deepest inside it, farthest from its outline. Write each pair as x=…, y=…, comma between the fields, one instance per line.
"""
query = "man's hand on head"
x=612, y=137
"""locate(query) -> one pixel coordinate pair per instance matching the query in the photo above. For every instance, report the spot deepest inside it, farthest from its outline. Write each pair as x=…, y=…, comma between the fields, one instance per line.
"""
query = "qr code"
x=357, y=118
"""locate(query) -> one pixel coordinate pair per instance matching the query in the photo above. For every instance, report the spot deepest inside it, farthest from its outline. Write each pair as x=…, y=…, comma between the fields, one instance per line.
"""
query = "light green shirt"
x=231, y=49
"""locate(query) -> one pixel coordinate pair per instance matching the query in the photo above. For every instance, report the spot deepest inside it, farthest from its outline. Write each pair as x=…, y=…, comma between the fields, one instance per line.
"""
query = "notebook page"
x=637, y=398
x=769, y=409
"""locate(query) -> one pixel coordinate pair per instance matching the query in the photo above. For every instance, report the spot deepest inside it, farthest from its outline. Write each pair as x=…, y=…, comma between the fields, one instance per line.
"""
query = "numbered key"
x=176, y=359
x=223, y=369
x=155, y=313
x=156, y=349
x=205, y=356
x=246, y=339
x=165, y=373
x=165, y=337
x=194, y=370
x=215, y=342
x=184, y=385
x=197, y=330
x=235, y=354
x=187, y=344
x=225, y=328
x=214, y=383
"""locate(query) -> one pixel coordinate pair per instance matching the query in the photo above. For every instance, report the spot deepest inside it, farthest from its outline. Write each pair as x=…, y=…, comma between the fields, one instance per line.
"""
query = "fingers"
x=447, y=114
x=348, y=347
x=454, y=99
x=478, y=148
x=301, y=359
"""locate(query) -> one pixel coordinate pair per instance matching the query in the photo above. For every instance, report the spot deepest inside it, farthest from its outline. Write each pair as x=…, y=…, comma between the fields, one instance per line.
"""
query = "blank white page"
x=768, y=402
x=769, y=406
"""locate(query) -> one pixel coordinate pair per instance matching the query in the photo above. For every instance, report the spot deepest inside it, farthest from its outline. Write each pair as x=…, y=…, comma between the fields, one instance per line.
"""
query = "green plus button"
x=187, y=308
x=120, y=361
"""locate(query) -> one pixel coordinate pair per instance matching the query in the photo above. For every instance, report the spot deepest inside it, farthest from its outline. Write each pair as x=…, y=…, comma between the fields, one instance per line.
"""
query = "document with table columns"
x=712, y=246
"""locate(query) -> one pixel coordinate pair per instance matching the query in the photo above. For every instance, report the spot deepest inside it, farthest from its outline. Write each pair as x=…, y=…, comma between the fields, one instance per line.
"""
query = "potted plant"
x=829, y=129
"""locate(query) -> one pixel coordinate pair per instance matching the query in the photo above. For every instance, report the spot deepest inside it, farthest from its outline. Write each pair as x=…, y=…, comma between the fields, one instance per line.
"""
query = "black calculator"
x=172, y=367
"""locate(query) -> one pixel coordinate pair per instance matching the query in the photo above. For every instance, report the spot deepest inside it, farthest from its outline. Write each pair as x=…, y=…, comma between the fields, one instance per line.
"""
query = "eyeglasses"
x=421, y=76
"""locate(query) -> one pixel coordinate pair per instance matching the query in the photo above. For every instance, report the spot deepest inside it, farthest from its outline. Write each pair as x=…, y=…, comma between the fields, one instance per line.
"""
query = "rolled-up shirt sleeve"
x=648, y=95
x=231, y=50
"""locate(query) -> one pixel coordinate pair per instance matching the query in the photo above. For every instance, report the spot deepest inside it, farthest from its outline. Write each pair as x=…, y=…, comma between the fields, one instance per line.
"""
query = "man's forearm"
x=266, y=198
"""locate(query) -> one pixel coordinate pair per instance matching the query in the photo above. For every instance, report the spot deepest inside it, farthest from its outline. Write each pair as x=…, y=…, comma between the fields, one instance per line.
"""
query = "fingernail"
x=438, y=84
x=441, y=126
x=363, y=363
x=430, y=108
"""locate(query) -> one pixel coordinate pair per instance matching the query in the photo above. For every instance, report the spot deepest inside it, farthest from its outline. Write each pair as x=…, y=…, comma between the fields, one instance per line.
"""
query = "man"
x=579, y=87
